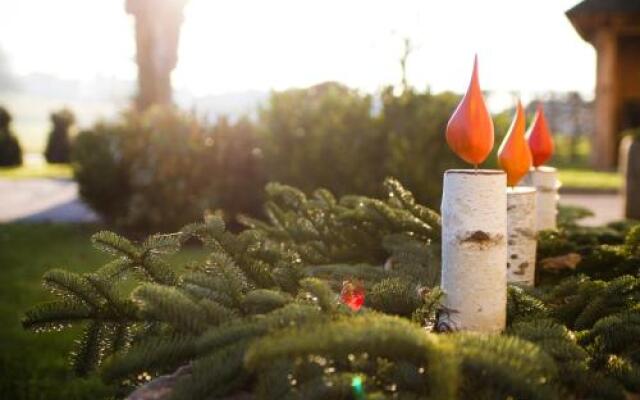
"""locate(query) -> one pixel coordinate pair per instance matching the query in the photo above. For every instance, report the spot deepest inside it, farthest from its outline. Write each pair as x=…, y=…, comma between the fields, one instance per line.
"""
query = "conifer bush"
x=159, y=170
x=58, y=150
x=263, y=316
x=10, y=151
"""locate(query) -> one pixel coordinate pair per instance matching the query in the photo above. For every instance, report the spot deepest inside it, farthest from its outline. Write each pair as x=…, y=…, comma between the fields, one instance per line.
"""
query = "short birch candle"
x=544, y=179
x=474, y=224
x=515, y=159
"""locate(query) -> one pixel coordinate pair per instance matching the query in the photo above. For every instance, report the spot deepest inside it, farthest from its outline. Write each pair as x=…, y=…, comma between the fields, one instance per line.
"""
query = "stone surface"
x=606, y=207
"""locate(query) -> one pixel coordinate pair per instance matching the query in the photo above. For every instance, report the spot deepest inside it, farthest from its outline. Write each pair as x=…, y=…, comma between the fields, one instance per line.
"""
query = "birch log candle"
x=522, y=241
x=515, y=159
x=544, y=179
x=474, y=224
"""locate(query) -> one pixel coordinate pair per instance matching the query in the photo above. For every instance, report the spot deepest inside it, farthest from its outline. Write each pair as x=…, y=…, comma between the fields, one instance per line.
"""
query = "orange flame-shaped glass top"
x=514, y=155
x=539, y=138
x=470, y=129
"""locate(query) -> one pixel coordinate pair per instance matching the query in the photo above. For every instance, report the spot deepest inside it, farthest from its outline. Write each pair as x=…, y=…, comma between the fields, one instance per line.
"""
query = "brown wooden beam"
x=603, y=154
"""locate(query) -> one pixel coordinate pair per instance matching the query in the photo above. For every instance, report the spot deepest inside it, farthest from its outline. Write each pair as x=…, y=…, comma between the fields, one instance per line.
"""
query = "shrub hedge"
x=157, y=171
x=10, y=151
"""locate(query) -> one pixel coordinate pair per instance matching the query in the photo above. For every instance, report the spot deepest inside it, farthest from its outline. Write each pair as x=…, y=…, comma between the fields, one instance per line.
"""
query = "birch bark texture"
x=522, y=240
x=474, y=251
x=545, y=180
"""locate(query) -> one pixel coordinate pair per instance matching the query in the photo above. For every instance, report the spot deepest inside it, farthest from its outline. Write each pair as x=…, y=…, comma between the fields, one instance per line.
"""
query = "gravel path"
x=40, y=200
x=606, y=207
x=56, y=200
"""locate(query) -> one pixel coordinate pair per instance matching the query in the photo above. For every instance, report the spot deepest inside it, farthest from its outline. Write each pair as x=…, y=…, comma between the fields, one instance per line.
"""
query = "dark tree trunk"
x=632, y=180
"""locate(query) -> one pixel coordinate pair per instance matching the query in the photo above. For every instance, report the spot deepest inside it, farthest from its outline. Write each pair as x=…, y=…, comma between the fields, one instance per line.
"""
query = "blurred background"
x=141, y=115
x=82, y=55
x=155, y=106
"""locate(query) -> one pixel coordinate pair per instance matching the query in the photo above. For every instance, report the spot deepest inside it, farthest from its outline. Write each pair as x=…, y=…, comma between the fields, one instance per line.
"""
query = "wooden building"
x=613, y=28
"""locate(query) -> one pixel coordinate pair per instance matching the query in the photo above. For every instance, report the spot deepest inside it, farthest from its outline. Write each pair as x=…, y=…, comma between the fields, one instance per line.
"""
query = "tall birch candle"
x=474, y=224
x=544, y=179
x=474, y=250
x=515, y=159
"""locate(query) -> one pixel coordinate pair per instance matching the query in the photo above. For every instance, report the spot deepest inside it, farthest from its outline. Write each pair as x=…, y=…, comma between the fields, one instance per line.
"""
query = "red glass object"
x=514, y=155
x=352, y=294
x=539, y=138
x=470, y=129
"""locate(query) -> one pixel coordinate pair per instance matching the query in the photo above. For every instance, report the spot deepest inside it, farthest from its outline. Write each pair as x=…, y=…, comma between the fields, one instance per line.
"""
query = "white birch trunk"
x=545, y=180
x=474, y=251
x=521, y=228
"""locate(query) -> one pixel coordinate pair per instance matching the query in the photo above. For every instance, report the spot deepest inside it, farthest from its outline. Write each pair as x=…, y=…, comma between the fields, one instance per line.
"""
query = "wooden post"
x=604, y=141
x=474, y=251
x=521, y=228
x=630, y=169
x=545, y=180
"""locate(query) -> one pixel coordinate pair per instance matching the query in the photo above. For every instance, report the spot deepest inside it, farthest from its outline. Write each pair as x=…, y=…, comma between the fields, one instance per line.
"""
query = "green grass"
x=37, y=171
x=35, y=366
x=588, y=179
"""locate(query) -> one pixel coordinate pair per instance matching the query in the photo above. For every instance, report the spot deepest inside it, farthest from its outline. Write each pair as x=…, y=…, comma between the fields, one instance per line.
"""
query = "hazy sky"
x=523, y=45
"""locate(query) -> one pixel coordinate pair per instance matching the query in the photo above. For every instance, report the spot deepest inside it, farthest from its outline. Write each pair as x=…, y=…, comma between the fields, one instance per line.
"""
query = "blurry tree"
x=406, y=52
x=158, y=25
x=10, y=151
x=415, y=151
x=328, y=136
x=322, y=136
x=58, y=149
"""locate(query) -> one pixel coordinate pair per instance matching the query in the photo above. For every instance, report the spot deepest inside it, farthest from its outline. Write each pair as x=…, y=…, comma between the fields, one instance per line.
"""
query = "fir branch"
x=214, y=376
x=55, y=315
x=71, y=285
x=503, y=367
x=321, y=294
x=398, y=296
x=377, y=335
x=89, y=352
x=162, y=244
x=156, y=270
x=167, y=304
x=114, y=244
x=157, y=354
x=115, y=269
x=262, y=301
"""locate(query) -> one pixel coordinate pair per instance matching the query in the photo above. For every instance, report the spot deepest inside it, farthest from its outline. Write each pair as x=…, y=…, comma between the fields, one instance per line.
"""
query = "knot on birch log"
x=520, y=269
x=481, y=238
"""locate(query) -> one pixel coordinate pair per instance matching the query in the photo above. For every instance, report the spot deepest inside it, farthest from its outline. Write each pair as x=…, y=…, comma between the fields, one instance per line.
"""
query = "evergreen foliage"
x=10, y=151
x=58, y=150
x=262, y=316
